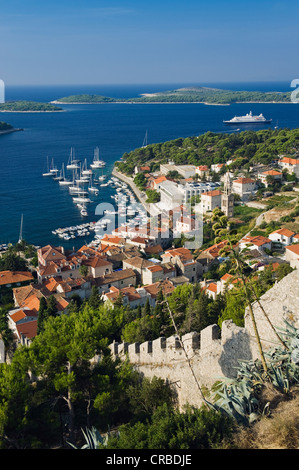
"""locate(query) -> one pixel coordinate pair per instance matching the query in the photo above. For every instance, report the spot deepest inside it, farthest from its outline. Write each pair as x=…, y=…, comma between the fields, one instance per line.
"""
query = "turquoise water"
x=114, y=128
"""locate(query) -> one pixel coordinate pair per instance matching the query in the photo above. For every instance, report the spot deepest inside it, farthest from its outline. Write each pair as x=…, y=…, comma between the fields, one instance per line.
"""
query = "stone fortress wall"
x=214, y=353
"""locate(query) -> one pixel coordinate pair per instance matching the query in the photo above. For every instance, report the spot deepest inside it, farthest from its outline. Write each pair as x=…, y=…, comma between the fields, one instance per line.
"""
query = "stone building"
x=227, y=198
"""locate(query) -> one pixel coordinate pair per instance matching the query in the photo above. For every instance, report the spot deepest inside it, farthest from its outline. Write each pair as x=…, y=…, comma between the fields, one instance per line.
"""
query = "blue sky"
x=128, y=42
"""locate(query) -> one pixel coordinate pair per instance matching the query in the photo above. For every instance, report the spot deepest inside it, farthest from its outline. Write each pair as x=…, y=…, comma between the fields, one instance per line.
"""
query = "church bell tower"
x=227, y=198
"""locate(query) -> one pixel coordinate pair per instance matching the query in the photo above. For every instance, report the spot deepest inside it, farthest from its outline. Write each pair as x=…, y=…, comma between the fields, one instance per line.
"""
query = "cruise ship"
x=248, y=119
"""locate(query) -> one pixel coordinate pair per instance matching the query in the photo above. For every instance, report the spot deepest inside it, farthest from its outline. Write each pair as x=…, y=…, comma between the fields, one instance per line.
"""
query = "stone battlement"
x=214, y=353
x=163, y=349
x=211, y=355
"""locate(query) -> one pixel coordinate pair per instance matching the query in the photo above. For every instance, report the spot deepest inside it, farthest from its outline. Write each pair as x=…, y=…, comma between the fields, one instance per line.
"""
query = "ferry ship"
x=248, y=119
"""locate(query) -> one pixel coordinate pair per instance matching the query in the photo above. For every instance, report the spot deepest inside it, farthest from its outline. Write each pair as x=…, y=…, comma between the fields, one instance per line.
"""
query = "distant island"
x=6, y=128
x=27, y=107
x=186, y=95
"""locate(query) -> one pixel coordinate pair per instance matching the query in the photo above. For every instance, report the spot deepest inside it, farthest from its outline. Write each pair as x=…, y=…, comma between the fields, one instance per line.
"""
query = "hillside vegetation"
x=27, y=106
x=189, y=95
x=246, y=147
x=4, y=126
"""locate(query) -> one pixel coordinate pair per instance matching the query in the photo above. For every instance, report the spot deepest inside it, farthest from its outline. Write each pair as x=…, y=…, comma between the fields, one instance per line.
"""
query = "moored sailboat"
x=72, y=163
x=97, y=163
x=47, y=173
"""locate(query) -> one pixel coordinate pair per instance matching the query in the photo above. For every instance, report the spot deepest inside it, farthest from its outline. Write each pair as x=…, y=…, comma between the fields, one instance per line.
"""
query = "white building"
x=283, y=236
x=290, y=164
x=244, y=187
x=276, y=175
x=210, y=200
x=258, y=242
x=186, y=171
x=171, y=195
x=197, y=189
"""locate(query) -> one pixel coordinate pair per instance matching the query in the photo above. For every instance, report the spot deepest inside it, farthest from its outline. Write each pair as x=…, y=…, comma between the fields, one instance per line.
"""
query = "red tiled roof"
x=12, y=277
x=293, y=249
x=153, y=289
x=214, y=249
x=21, y=314
x=28, y=329
x=160, y=179
x=257, y=240
x=215, y=192
x=284, y=231
x=226, y=277
x=272, y=173
x=202, y=168
x=212, y=287
x=292, y=161
x=244, y=180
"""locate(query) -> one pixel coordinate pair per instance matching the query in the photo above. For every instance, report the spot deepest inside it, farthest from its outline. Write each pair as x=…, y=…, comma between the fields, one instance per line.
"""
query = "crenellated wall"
x=214, y=353
x=212, y=356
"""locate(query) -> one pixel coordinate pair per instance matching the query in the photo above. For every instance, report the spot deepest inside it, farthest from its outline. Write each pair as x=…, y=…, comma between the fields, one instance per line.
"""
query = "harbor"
x=86, y=186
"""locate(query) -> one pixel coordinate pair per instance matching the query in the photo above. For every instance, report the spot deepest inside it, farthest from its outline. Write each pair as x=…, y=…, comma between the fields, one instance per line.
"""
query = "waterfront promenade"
x=141, y=196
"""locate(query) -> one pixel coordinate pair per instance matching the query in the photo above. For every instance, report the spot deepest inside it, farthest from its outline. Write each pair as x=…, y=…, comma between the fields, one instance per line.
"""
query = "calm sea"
x=114, y=128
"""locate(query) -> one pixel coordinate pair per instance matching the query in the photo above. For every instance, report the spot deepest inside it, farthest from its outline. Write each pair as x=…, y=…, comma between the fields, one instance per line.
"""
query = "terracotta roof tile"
x=13, y=277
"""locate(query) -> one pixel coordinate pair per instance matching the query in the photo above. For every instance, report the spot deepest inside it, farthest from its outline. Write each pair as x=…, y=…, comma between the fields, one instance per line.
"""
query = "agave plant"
x=238, y=397
x=93, y=439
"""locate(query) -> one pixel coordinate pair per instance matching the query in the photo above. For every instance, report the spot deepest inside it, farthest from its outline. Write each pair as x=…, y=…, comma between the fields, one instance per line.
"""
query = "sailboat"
x=102, y=177
x=86, y=171
x=81, y=199
x=92, y=188
x=53, y=168
x=97, y=163
x=21, y=231
x=72, y=163
x=145, y=140
x=77, y=189
x=64, y=181
x=48, y=173
x=60, y=177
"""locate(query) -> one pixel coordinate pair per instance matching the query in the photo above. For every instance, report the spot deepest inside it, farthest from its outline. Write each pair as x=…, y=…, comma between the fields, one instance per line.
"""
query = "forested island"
x=247, y=148
x=186, y=95
x=6, y=128
x=28, y=106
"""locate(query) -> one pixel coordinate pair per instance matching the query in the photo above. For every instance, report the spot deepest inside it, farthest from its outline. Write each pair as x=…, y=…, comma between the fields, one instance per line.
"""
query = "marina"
x=127, y=208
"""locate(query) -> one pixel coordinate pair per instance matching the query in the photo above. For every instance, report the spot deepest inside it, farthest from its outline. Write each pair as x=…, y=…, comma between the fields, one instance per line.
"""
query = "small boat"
x=81, y=199
x=84, y=211
x=97, y=163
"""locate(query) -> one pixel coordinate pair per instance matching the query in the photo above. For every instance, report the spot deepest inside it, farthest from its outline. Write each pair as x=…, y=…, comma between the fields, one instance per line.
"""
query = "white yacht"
x=249, y=118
